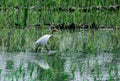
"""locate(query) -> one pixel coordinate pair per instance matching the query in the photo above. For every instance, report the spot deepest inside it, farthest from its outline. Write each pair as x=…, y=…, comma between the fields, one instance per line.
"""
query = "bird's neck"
x=52, y=32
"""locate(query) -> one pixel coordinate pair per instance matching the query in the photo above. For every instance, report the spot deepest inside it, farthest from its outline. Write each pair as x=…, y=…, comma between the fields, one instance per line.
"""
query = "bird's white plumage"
x=43, y=40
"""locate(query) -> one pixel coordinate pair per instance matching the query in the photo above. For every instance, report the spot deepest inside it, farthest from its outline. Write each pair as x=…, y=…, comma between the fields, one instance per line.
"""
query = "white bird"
x=44, y=39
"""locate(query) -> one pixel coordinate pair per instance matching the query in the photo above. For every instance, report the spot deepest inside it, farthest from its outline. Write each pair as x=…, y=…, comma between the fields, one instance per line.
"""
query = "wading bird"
x=44, y=39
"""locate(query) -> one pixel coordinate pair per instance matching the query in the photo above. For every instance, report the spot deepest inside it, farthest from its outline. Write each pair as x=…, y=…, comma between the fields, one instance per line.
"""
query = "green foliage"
x=22, y=40
x=22, y=13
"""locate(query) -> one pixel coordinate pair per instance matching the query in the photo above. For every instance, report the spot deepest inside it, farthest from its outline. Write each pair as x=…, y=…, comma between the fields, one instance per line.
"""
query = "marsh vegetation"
x=86, y=49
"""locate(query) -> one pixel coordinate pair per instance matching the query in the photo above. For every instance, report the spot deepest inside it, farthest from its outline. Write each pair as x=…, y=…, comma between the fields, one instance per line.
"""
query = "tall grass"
x=24, y=13
x=23, y=40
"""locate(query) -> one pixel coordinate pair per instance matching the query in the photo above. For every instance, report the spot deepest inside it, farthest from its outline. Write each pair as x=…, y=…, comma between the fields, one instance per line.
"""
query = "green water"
x=31, y=67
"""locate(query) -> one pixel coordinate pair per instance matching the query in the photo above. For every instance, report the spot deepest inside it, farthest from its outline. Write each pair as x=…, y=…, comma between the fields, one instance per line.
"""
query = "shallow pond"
x=25, y=67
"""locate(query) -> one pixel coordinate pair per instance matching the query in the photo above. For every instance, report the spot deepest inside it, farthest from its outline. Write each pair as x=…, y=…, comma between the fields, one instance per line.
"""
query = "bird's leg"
x=46, y=47
x=36, y=48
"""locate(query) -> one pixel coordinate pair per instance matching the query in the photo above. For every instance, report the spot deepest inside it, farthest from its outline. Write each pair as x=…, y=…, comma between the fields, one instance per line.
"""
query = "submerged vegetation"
x=86, y=49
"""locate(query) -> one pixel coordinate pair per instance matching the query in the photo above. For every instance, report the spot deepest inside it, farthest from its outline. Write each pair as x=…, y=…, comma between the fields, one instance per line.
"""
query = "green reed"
x=23, y=40
x=24, y=13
